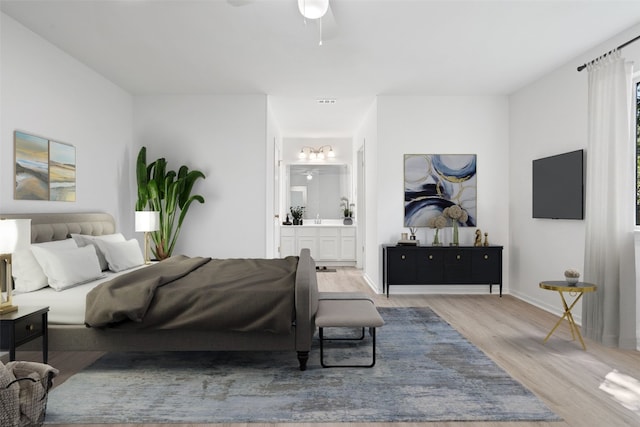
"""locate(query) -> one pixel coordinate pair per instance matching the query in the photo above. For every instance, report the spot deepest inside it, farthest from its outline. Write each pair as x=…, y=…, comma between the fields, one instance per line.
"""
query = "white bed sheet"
x=65, y=307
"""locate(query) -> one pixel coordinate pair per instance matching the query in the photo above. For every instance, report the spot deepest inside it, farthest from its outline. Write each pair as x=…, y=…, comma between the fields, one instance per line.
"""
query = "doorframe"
x=277, y=194
x=361, y=219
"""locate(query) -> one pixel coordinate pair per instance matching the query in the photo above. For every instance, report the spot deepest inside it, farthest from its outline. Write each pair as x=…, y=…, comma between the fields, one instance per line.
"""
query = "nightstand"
x=21, y=326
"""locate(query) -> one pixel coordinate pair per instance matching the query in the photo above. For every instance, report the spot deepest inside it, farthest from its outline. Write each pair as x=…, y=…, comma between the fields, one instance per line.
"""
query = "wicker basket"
x=23, y=402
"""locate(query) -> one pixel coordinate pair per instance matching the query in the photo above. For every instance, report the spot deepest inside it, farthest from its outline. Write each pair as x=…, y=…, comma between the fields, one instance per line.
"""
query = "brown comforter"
x=199, y=294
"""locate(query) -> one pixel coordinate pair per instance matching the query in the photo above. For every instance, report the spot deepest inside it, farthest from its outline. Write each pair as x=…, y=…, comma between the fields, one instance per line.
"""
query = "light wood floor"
x=510, y=332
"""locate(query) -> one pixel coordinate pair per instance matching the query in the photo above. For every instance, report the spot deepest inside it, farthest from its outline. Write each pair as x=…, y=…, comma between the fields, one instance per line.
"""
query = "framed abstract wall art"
x=435, y=182
x=44, y=169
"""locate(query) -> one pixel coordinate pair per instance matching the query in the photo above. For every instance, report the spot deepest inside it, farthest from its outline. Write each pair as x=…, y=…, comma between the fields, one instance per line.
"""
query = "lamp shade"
x=313, y=9
x=147, y=220
x=14, y=234
x=8, y=236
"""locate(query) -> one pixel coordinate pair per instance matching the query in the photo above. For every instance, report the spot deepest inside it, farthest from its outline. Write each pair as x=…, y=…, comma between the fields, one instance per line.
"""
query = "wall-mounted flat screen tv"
x=558, y=186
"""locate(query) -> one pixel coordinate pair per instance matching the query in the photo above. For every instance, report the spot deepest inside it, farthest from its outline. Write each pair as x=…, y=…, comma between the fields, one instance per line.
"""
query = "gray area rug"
x=425, y=371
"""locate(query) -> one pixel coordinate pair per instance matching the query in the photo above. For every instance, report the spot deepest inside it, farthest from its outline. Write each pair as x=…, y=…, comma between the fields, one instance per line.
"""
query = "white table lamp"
x=147, y=221
x=14, y=234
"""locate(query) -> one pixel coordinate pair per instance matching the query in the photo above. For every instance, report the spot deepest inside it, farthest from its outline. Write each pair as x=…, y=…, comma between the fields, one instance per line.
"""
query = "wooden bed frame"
x=59, y=226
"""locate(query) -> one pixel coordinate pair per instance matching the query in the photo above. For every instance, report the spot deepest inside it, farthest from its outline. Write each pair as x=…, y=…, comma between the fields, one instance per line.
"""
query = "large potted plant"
x=169, y=193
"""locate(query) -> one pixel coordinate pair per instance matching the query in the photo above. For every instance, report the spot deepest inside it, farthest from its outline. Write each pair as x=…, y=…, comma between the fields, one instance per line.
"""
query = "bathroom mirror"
x=322, y=186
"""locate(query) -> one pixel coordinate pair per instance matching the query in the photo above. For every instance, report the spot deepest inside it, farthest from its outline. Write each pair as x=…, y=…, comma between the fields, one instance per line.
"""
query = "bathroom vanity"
x=330, y=242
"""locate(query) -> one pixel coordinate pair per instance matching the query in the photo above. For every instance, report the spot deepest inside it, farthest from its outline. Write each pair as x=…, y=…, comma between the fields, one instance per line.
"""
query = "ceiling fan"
x=314, y=10
x=317, y=9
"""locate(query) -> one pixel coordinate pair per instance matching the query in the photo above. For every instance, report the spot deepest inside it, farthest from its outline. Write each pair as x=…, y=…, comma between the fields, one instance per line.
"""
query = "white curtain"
x=610, y=201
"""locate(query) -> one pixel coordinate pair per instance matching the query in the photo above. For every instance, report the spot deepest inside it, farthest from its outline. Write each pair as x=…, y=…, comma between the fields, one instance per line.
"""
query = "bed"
x=68, y=331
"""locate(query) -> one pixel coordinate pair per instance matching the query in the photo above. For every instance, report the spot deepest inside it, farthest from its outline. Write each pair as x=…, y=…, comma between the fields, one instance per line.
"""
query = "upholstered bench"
x=347, y=310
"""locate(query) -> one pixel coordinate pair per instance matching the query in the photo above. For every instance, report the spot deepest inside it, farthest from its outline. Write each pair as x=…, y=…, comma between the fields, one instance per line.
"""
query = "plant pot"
x=347, y=221
x=572, y=280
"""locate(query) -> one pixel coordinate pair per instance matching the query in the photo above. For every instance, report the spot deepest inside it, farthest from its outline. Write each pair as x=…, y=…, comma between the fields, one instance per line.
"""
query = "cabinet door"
x=310, y=243
x=327, y=244
x=287, y=241
x=487, y=265
x=348, y=244
x=430, y=268
x=457, y=266
x=287, y=246
x=401, y=266
x=327, y=248
x=347, y=248
x=307, y=238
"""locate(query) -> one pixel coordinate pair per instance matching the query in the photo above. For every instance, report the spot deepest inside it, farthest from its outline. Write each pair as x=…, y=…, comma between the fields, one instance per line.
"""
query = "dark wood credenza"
x=441, y=265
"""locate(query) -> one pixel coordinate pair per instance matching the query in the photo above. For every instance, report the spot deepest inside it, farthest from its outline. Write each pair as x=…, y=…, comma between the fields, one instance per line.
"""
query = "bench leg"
x=372, y=331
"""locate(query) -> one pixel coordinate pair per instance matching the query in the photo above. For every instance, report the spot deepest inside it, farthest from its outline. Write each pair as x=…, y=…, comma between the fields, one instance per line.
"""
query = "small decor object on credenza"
x=406, y=240
x=287, y=221
x=486, y=239
x=297, y=212
x=413, y=231
x=457, y=215
x=572, y=276
x=437, y=223
x=478, y=241
x=44, y=169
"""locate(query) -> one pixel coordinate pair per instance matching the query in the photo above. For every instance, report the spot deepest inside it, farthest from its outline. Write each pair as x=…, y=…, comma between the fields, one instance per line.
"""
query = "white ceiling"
x=369, y=48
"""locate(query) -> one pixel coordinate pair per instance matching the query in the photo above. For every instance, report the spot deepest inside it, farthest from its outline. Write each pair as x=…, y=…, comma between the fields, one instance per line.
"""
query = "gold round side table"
x=575, y=290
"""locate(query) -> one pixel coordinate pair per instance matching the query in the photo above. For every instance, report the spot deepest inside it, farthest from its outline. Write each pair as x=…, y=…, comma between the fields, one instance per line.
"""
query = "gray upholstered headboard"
x=46, y=227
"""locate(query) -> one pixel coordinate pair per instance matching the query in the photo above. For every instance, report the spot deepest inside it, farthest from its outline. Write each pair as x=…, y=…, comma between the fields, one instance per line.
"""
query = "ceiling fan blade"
x=330, y=28
x=237, y=3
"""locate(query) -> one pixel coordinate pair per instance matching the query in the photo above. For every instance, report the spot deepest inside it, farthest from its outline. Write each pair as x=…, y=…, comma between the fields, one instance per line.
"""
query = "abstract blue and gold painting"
x=435, y=182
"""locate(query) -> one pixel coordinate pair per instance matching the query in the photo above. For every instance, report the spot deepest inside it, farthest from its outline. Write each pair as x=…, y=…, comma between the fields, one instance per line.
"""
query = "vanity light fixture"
x=326, y=151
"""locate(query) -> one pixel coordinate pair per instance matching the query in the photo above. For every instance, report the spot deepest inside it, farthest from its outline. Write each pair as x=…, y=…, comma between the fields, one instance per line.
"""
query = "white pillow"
x=65, y=268
x=85, y=240
x=121, y=255
x=27, y=273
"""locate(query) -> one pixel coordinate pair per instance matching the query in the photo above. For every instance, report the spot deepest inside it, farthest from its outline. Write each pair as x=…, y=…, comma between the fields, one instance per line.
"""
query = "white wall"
x=549, y=117
x=47, y=93
x=225, y=138
x=437, y=125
